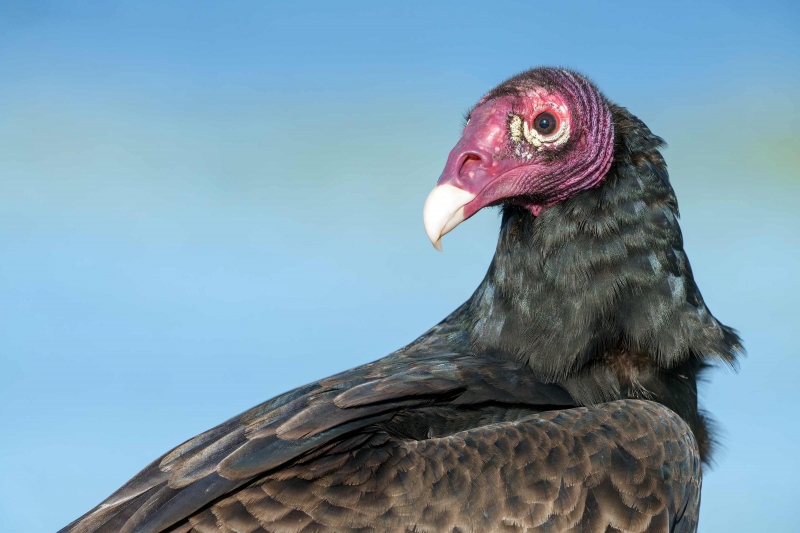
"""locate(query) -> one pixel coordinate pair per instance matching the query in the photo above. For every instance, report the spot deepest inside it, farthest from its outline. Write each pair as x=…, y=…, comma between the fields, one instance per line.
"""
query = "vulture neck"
x=596, y=292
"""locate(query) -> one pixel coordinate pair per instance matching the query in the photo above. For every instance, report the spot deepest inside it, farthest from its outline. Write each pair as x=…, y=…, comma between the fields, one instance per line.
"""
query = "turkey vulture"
x=562, y=396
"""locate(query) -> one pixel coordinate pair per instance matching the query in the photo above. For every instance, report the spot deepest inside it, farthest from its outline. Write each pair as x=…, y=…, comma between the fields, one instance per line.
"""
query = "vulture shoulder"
x=486, y=447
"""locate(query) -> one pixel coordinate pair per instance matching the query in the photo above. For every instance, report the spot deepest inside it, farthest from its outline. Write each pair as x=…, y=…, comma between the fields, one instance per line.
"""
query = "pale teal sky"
x=204, y=204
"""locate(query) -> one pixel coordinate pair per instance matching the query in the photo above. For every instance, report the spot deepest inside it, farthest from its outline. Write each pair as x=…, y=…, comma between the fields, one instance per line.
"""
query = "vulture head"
x=590, y=285
x=534, y=141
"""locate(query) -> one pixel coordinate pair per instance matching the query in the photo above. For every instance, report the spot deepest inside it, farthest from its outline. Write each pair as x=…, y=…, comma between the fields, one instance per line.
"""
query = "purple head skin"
x=536, y=140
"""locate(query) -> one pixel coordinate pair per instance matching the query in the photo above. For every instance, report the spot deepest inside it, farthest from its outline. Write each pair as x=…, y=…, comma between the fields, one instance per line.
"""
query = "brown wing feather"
x=626, y=466
x=303, y=422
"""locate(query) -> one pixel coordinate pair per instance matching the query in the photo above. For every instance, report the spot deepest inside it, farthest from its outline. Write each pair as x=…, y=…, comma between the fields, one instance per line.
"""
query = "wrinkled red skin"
x=485, y=161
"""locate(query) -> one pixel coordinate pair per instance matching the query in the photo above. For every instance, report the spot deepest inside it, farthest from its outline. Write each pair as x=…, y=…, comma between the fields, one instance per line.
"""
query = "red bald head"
x=535, y=140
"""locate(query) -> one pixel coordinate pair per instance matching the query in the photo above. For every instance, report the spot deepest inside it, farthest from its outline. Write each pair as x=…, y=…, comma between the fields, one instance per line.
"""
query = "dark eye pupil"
x=545, y=123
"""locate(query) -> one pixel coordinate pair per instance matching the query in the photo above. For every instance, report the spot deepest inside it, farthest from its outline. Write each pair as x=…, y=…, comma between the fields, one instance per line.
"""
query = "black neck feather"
x=597, y=293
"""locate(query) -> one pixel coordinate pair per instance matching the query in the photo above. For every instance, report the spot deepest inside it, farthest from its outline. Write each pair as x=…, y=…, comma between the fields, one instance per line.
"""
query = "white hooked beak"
x=443, y=211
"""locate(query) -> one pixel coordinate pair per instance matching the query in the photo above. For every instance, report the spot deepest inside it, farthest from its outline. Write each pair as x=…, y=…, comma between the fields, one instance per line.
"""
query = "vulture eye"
x=545, y=123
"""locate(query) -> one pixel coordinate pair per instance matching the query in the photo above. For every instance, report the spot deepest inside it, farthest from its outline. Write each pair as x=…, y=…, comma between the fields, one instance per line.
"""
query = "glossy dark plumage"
x=547, y=402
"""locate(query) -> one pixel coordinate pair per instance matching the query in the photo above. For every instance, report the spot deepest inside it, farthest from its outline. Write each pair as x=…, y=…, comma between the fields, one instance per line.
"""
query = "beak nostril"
x=470, y=163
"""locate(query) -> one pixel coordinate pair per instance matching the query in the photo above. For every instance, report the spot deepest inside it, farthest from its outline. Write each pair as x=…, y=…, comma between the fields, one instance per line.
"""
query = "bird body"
x=422, y=440
x=562, y=396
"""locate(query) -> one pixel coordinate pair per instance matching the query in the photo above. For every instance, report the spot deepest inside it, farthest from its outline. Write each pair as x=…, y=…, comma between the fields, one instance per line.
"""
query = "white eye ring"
x=519, y=129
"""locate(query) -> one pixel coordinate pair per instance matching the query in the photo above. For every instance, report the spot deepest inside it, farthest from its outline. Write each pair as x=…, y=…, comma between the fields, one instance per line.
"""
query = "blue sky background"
x=205, y=204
